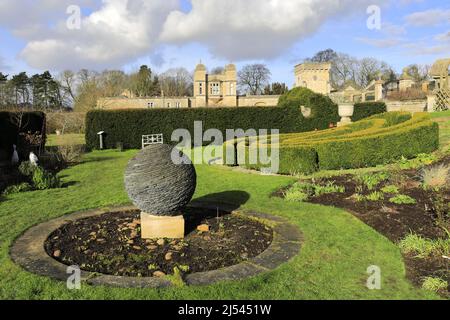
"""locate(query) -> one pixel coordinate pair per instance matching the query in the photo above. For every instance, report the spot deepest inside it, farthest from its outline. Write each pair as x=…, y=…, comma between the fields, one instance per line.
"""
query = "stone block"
x=157, y=227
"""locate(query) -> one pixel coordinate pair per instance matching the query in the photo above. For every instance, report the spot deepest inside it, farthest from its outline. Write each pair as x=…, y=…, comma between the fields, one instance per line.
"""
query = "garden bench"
x=151, y=139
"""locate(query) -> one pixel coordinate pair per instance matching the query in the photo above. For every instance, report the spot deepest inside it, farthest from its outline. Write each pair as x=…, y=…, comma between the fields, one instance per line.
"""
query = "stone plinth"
x=156, y=227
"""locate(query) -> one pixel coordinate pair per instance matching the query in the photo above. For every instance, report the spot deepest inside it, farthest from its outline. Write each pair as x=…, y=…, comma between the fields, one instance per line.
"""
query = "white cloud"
x=253, y=29
x=119, y=32
x=428, y=18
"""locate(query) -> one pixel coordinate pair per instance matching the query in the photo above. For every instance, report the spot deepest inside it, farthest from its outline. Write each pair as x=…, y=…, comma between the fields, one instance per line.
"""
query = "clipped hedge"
x=128, y=126
x=10, y=132
x=377, y=140
x=367, y=109
x=323, y=110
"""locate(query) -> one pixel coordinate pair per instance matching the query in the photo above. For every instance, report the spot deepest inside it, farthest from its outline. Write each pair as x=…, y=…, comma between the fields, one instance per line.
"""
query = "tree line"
x=81, y=90
x=346, y=69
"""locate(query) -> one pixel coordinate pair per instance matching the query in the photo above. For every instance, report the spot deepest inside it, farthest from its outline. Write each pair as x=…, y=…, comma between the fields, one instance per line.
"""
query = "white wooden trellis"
x=151, y=139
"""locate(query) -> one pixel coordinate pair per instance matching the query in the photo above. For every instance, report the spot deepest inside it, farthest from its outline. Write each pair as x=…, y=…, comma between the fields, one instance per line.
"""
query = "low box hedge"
x=377, y=140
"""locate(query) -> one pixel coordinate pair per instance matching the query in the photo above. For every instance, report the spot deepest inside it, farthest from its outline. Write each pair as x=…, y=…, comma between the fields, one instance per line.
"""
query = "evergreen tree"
x=20, y=86
x=143, y=84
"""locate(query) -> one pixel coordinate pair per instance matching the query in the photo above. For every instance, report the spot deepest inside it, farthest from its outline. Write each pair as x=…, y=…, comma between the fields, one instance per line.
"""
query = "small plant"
x=402, y=199
x=372, y=180
x=421, y=160
x=435, y=177
x=391, y=189
x=330, y=187
x=43, y=180
x=424, y=248
x=375, y=196
x=434, y=284
x=359, y=197
x=302, y=191
x=69, y=153
x=295, y=196
x=440, y=207
x=27, y=169
x=23, y=187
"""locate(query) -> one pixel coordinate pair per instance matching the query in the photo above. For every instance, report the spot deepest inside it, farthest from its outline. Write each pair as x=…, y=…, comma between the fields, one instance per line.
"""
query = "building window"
x=177, y=105
x=200, y=88
x=215, y=88
x=168, y=104
x=231, y=89
x=150, y=105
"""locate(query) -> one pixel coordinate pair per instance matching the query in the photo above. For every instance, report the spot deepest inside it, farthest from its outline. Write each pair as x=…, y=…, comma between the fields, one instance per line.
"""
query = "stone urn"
x=346, y=111
x=161, y=188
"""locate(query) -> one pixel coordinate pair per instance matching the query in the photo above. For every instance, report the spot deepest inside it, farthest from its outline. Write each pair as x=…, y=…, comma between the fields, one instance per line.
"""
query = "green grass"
x=443, y=119
x=67, y=139
x=337, y=248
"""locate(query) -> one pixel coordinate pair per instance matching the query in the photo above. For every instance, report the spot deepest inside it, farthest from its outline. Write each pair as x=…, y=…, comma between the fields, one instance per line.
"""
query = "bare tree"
x=419, y=72
x=176, y=82
x=253, y=78
x=344, y=68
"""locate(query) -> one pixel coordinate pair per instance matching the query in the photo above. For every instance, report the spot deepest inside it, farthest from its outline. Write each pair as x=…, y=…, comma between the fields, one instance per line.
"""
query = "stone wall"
x=145, y=103
x=258, y=101
x=409, y=106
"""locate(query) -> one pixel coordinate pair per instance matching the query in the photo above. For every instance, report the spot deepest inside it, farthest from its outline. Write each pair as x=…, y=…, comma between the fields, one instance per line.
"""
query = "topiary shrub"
x=323, y=110
x=43, y=179
x=367, y=109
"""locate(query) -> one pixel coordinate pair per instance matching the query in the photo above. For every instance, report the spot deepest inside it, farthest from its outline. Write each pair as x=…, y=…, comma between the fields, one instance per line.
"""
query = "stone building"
x=314, y=76
x=406, y=81
x=210, y=91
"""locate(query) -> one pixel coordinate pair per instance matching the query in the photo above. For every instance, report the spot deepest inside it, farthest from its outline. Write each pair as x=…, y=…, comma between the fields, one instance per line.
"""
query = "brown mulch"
x=111, y=244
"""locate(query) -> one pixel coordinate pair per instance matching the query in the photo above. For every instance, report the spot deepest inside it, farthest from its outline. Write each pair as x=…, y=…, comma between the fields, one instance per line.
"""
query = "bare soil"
x=111, y=244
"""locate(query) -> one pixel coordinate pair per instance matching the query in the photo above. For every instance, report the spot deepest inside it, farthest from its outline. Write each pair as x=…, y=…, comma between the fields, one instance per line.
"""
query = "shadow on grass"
x=69, y=184
x=97, y=159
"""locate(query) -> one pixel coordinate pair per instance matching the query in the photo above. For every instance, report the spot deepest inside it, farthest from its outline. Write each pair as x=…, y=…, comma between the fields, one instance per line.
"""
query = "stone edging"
x=28, y=252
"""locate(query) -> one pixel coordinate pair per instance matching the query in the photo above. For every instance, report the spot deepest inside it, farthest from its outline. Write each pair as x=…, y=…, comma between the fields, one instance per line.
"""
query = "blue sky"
x=171, y=33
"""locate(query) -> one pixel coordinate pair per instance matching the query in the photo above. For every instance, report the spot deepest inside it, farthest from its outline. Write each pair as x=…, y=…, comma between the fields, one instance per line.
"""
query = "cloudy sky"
x=38, y=35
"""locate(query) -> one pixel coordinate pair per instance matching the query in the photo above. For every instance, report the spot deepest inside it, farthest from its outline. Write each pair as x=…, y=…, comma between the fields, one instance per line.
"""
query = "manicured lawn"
x=443, y=118
x=66, y=139
x=337, y=250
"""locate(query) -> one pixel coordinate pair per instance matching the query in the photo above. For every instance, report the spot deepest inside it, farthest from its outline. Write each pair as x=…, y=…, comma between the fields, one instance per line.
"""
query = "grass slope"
x=337, y=250
x=443, y=119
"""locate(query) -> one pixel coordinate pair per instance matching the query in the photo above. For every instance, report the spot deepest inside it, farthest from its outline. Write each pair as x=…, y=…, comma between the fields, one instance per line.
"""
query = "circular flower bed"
x=111, y=244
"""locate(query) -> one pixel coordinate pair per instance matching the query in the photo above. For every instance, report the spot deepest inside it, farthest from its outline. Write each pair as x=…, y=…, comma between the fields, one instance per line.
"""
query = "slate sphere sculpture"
x=157, y=185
